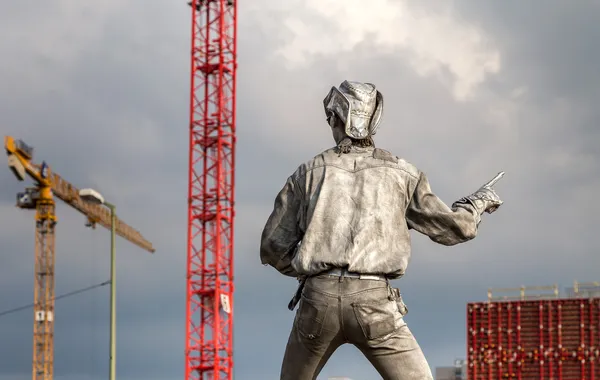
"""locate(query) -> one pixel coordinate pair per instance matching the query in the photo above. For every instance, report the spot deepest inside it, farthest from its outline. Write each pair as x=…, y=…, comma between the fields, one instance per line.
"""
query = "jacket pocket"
x=377, y=319
x=311, y=317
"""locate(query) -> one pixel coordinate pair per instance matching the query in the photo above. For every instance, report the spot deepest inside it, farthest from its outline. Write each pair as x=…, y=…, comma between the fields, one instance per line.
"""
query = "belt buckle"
x=369, y=277
x=375, y=277
x=343, y=272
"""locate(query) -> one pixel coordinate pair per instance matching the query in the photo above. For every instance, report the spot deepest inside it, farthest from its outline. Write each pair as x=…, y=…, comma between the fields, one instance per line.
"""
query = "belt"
x=334, y=272
x=343, y=272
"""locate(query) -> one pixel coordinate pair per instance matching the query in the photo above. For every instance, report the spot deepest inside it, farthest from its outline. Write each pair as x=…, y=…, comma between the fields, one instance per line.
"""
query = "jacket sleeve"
x=429, y=215
x=282, y=232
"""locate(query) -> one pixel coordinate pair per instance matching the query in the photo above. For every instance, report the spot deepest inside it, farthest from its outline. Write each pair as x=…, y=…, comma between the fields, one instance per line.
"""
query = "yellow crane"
x=41, y=198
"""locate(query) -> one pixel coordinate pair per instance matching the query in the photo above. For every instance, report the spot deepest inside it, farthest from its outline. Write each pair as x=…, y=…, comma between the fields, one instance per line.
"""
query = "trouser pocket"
x=376, y=318
x=310, y=317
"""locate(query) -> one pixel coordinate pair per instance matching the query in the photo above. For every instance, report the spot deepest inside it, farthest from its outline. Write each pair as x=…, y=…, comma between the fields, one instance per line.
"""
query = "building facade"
x=456, y=372
x=550, y=337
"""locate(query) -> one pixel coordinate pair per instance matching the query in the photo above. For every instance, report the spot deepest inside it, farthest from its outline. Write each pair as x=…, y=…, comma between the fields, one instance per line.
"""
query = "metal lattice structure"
x=534, y=337
x=209, y=305
x=43, y=291
x=41, y=197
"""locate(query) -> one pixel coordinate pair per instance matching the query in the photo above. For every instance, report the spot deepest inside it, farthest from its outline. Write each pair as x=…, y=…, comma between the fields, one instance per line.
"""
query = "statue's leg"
x=315, y=334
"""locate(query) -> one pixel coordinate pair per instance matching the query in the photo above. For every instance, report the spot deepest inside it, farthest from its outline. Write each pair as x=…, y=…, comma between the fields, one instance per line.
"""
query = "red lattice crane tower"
x=209, y=314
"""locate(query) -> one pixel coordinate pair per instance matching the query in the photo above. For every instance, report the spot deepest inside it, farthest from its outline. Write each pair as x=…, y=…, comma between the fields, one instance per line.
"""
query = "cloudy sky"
x=100, y=89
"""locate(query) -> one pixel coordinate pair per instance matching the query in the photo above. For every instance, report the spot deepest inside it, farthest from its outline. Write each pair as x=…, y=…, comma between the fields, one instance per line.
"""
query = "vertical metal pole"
x=113, y=296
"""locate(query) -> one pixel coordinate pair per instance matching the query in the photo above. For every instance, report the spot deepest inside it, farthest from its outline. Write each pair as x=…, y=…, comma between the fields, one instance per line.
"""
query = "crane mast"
x=41, y=198
x=43, y=293
x=209, y=304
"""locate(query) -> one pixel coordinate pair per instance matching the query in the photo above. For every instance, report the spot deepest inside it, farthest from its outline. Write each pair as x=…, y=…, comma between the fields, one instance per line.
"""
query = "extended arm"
x=282, y=232
x=430, y=216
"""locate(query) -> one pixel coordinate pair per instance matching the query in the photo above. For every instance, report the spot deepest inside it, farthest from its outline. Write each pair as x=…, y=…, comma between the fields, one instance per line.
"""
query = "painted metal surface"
x=209, y=305
x=554, y=339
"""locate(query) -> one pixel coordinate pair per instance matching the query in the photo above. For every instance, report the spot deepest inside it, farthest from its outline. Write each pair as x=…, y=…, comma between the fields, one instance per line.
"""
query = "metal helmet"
x=358, y=105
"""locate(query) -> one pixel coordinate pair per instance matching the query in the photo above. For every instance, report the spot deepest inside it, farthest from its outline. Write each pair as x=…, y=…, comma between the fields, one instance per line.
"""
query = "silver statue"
x=341, y=226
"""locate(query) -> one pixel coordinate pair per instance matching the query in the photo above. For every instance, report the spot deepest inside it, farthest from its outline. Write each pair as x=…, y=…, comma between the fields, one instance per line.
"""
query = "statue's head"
x=353, y=111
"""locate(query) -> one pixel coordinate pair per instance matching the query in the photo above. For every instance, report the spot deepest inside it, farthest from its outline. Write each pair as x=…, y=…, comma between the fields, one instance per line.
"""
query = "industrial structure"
x=541, y=336
x=209, y=300
x=456, y=372
x=41, y=198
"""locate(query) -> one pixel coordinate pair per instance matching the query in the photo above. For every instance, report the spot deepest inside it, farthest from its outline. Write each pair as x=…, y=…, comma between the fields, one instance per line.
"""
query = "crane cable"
x=75, y=292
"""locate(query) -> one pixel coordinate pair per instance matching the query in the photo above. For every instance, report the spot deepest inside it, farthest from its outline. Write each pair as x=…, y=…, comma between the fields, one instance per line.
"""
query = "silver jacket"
x=355, y=210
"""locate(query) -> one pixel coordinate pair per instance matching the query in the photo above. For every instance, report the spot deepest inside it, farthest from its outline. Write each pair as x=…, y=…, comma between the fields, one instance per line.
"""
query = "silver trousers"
x=366, y=313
